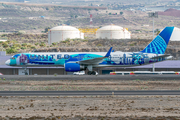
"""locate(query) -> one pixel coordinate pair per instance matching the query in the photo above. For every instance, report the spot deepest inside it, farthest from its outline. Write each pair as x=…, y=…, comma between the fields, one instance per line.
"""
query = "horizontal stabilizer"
x=162, y=56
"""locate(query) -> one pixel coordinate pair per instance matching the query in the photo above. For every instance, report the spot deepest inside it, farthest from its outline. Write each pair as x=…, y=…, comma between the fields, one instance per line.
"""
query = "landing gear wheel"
x=93, y=73
x=89, y=72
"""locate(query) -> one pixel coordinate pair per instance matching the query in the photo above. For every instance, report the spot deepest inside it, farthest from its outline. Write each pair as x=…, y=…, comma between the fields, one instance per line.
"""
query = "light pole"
x=153, y=15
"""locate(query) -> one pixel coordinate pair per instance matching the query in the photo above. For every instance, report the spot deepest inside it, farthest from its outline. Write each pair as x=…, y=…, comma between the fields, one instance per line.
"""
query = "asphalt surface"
x=86, y=93
x=89, y=77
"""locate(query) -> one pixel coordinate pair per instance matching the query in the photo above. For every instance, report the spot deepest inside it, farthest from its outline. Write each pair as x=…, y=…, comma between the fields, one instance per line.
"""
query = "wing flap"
x=96, y=60
x=92, y=61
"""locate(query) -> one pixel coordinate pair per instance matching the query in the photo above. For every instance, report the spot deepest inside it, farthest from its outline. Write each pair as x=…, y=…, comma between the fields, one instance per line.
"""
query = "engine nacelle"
x=73, y=67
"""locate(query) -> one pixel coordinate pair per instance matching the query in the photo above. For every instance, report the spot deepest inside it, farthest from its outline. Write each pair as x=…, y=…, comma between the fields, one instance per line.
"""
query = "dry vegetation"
x=91, y=107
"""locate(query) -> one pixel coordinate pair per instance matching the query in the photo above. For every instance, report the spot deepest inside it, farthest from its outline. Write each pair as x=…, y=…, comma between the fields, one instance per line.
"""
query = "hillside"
x=20, y=43
x=34, y=18
x=170, y=12
x=103, y=45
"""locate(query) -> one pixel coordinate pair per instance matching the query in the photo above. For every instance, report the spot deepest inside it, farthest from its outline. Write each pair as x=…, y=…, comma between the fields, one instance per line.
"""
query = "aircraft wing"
x=162, y=56
x=96, y=60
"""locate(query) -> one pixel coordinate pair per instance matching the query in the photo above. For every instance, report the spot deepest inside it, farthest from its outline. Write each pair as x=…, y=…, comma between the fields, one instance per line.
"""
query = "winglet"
x=108, y=53
x=112, y=50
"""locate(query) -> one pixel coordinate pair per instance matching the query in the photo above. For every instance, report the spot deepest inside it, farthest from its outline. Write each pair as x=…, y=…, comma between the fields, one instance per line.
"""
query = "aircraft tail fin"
x=159, y=44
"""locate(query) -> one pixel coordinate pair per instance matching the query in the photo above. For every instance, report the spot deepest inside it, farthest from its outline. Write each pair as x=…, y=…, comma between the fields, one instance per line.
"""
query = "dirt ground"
x=91, y=107
x=88, y=85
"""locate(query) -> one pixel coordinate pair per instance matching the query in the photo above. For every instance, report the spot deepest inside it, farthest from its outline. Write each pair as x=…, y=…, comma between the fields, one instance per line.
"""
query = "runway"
x=87, y=93
x=89, y=77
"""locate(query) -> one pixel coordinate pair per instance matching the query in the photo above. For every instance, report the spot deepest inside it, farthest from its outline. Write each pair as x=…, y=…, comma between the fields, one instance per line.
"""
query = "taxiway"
x=87, y=93
x=89, y=77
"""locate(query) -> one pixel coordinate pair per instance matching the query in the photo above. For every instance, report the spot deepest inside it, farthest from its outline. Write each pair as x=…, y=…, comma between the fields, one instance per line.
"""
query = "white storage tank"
x=113, y=32
x=61, y=33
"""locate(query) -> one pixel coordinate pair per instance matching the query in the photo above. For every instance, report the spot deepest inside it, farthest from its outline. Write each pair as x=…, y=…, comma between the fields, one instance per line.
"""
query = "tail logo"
x=159, y=44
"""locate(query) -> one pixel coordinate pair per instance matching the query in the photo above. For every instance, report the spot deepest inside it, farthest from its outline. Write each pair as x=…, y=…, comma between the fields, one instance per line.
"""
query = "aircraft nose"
x=7, y=62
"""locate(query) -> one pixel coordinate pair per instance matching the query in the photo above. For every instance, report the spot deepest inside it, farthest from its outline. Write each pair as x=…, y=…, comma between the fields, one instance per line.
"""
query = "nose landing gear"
x=25, y=71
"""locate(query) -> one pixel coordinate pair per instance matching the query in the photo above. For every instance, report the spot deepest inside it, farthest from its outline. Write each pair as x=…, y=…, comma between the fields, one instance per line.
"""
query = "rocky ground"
x=91, y=107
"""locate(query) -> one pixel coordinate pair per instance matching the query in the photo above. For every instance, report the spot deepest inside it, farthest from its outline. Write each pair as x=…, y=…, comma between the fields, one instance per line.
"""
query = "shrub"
x=33, y=47
x=23, y=48
x=85, y=40
x=54, y=44
x=42, y=44
x=16, y=45
x=3, y=35
x=132, y=44
x=11, y=50
x=28, y=45
x=5, y=46
x=68, y=39
x=36, y=44
x=65, y=41
x=24, y=44
x=46, y=29
x=17, y=48
x=9, y=41
x=47, y=8
x=19, y=33
x=42, y=35
x=121, y=13
x=99, y=45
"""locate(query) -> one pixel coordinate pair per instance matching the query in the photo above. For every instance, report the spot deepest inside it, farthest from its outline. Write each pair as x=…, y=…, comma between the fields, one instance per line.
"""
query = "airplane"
x=77, y=61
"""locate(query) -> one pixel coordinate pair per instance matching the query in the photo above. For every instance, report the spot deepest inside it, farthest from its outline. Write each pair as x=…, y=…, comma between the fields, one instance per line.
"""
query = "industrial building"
x=113, y=32
x=61, y=33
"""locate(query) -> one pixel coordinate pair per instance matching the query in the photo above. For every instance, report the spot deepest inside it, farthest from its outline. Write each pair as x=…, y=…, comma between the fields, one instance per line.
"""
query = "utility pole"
x=153, y=15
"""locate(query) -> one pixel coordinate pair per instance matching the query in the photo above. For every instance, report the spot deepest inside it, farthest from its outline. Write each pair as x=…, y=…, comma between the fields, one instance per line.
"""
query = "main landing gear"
x=92, y=73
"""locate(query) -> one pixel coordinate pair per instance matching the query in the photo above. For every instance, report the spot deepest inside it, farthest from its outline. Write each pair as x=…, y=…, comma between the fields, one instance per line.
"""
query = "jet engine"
x=73, y=67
